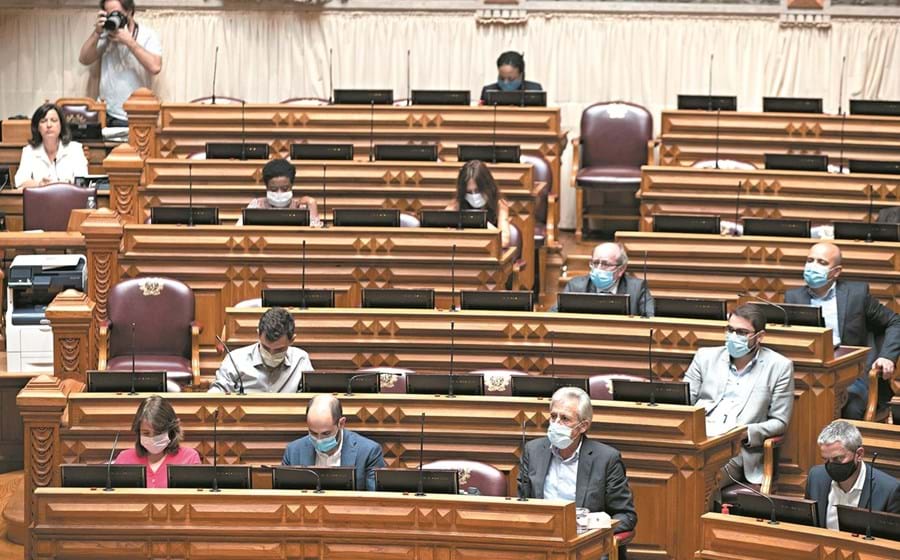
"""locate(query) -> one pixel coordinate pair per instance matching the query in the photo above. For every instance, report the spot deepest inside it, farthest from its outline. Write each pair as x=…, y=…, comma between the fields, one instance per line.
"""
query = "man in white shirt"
x=845, y=480
x=130, y=55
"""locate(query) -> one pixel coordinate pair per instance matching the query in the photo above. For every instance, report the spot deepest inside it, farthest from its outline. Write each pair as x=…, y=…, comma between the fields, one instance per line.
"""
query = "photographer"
x=130, y=55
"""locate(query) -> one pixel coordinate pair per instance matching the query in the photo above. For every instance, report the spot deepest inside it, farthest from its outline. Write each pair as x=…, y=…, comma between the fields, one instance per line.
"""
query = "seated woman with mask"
x=158, y=442
x=278, y=176
x=510, y=76
x=477, y=190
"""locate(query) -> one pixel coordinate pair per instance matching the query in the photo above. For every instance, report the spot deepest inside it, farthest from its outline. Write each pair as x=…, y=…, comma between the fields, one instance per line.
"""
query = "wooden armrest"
x=103, y=343
x=651, y=149
x=552, y=202
x=196, y=329
x=770, y=463
x=872, y=403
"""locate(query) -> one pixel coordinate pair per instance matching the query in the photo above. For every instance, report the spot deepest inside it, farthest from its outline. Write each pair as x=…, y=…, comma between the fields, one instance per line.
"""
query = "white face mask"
x=476, y=200
x=271, y=360
x=156, y=444
x=279, y=199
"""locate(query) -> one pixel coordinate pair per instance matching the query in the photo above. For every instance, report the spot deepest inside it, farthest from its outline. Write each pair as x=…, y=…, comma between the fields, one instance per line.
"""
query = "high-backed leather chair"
x=544, y=196
x=408, y=220
x=475, y=477
x=601, y=384
x=82, y=110
x=498, y=382
x=48, y=207
x=609, y=154
x=392, y=380
x=166, y=337
x=220, y=100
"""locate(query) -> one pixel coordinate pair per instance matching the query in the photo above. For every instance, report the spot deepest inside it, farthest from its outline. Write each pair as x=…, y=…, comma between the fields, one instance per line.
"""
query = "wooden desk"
x=731, y=537
x=819, y=197
x=885, y=439
x=717, y=266
x=77, y=524
x=689, y=136
x=671, y=462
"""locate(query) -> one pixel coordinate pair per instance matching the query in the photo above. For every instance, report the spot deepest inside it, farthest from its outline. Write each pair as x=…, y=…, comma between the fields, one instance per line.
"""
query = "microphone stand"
x=303, y=279
x=787, y=320
x=133, y=374
x=372, y=132
x=452, y=377
x=323, y=218
x=650, y=367
x=453, y=278
x=871, y=474
x=234, y=365
x=421, y=489
x=523, y=497
x=112, y=452
x=772, y=519
x=215, y=482
x=353, y=378
x=215, y=70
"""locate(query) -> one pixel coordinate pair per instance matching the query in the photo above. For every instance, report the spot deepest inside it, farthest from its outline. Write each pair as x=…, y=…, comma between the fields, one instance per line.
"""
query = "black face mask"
x=839, y=472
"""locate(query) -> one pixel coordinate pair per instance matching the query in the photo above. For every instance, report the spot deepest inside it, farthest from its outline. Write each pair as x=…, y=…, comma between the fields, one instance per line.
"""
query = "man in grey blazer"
x=744, y=384
x=566, y=465
x=845, y=479
x=855, y=318
x=607, y=276
x=330, y=444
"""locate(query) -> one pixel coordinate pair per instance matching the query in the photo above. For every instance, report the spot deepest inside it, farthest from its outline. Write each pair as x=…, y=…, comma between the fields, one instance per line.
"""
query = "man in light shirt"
x=330, y=444
x=845, y=480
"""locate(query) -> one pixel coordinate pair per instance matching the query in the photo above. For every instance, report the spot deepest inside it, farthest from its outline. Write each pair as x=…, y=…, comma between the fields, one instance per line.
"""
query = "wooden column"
x=41, y=403
x=143, y=110
x=71, y=316
x=102, y=232
x=124, y=167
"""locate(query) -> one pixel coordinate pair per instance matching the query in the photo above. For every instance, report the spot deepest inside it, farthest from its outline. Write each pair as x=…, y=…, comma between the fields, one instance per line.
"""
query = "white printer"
x=33, y=282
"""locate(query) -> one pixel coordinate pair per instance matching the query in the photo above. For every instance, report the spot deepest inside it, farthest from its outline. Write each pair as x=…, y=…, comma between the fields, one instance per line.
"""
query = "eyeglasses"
x=740, y=332
x=605, y=265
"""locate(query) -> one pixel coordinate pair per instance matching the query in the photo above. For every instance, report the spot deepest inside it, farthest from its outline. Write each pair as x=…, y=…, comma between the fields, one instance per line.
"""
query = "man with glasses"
x=607, y=276
x=744, y=384
x=566, y=465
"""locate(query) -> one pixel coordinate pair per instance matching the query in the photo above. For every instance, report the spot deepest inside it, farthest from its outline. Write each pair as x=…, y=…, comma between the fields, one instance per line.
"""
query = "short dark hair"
x=278, y=168
x=512, y=58
x=161, y=416
x=127, y=5
x=275, y=323
x=752, y=313
x=64, y=134
x=337, y=411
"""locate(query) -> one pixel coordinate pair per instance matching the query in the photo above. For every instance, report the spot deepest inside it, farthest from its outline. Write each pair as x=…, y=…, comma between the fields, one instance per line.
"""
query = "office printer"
x=33, y=282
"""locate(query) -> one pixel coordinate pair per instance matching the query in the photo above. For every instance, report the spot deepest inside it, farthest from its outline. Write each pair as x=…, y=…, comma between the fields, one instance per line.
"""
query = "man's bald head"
x=610, y=252
x=324, y=416
x=825, y=253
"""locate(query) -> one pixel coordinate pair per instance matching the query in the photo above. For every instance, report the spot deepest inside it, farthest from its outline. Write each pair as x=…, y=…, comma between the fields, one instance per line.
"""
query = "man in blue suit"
x=330, y=444
x=845, y=479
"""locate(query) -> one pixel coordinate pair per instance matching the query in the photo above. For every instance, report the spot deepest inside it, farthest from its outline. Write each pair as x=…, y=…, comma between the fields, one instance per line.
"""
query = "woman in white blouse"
x=50, y=156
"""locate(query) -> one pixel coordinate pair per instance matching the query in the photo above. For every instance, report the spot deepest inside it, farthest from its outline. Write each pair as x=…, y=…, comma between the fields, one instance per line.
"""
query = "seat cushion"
x=178, y=369
x=606, y=175
x=730, y=493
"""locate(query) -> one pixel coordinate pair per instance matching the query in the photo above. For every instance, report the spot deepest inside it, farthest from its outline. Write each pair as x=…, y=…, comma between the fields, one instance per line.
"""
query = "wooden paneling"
x=885, y=439
x=11, y=429
x=690, y=136
x=730, y=537
x=79, y=524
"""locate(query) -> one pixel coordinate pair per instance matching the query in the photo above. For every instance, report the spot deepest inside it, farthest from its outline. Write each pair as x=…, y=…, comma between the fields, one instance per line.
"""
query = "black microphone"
x=303, y=277
x=522, y=497
x=243, y=132
x=133, y=374
x=324, y=196
x=787, y=319
x=372, y=132
x=109, y=463
x=494, y=135
x=841, y=86
x=353, y=378
x=772, y=520
x=841, y=155
x=215, y=481
x=552, y=336
x=718, y=129
x=318, y=489
x=709, y=84
x=646, y=289
x=330, y=78
x=871, y=474
x=453, y=277
x=236, y=368
x=737, y=208
x=869, y=216
x=215, y=69
x=650, y=369
x=421, y=490
x=408, y=86
x=452, y=377
x=190, y=195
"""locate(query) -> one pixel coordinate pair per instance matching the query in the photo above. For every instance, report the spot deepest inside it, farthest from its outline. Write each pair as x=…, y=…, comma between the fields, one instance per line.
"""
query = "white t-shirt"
x=121, y=72
x=34, y=164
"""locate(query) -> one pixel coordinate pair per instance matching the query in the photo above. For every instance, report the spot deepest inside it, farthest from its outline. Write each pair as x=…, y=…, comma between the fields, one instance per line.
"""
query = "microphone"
x=552, y=336
x=353, y=378
x=372, y=132
x=408, y=86
x=523, y=498
x=303, y=277
x=190, y=195
x=650, y=369
x=494, y=135
x=718, y=114
x=243, y=132
x=709, y=84
x=318, y=489
x=452, y=377
x=646, y=289
x=421, y=490
x=869, y=216
x=215, y=484
x=236, y=368
x=324, y=196
x=787, y=319
x=772, y=520
x=112, y=452
x=737, y=207
x=330, y=78
x=215, y=69
x=133, y=374
x=453, y=277
x=841, y=155
x=871, y=474
x=841, y=86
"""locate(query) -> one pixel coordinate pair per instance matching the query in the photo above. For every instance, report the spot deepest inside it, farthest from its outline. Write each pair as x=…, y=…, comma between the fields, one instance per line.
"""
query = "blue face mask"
x=326, y=444
x=738, y=346
x=602, y=279
x=512, y=85
x=815, y=275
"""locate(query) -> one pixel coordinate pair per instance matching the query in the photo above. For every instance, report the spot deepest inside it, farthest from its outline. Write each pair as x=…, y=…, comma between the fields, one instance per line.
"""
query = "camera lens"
x=115, y=20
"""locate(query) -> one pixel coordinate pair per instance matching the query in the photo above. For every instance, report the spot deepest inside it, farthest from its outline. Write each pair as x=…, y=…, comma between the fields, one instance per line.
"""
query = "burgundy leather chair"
x=610, y=152
x=769, y=485
x=724, y=164
x=48, y=207
x=474, y=475
x=393, y=380
x=498, y=382
x=542, y=174
x=601, y=384
x=220, y=100
x=166, y=337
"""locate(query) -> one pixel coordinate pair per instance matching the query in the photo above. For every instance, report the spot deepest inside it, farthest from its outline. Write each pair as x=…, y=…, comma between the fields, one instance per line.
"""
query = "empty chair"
x=408, y=220
x=475, y=477
x=392, y=380
x=197, y=155
x=497, y=381
x=48, y=207
x=601, y=385
x=542, y=173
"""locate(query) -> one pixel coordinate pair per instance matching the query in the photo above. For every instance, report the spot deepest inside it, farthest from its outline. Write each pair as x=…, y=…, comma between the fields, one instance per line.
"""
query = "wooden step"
x=12, y=502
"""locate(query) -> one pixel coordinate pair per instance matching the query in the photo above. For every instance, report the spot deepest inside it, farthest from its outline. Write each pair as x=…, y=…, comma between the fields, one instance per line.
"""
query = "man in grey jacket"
x=744, y=384
x=607, y=276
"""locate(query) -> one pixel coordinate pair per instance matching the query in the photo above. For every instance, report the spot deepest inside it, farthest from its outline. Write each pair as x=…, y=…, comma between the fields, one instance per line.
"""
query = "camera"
x=115, y=20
